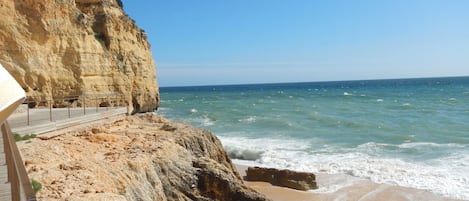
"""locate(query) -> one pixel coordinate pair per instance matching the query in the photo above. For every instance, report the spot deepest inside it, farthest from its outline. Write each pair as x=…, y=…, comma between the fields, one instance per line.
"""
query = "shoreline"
x=344, y=187
x=113, y=142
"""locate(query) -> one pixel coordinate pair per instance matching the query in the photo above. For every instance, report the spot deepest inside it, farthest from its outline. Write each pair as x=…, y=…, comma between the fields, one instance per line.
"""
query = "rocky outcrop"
x=285, y=178
x=141, y=157
x=68, y=48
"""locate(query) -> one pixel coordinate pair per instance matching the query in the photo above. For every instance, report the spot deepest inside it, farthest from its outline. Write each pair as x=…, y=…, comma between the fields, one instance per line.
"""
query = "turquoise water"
x=410, y=132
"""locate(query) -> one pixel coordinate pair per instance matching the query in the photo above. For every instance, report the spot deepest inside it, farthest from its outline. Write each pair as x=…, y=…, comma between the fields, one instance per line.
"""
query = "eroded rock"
x=285, y=178
x=69, y=49
x=141, y=163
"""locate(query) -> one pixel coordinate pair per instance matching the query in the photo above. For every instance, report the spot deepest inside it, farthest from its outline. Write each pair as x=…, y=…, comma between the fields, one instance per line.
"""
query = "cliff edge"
x=68, y=48
x=142, y=157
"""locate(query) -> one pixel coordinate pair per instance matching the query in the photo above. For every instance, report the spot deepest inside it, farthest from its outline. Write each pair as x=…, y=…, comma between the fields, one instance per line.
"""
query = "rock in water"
x=285, y=178
x=67, y=48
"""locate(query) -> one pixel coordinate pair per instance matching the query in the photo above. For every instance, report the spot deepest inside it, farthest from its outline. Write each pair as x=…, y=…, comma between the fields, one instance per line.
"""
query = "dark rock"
x=296, y=180
x=261, y=174
x=216, y=182
x=168, y=127
x=285, y=178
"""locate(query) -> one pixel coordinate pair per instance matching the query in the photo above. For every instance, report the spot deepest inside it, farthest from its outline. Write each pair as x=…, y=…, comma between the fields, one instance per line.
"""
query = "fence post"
x=50, y=110
x=27, y=111
x=68, y=108
x=97, y=105
x=84, y=105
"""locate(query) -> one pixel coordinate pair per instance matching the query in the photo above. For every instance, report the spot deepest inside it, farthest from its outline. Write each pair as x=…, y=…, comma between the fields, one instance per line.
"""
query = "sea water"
x=405, y=132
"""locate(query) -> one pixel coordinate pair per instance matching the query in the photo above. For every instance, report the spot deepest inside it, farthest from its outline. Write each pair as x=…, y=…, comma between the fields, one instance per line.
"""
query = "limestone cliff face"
x=66, y=48
x=136, y=158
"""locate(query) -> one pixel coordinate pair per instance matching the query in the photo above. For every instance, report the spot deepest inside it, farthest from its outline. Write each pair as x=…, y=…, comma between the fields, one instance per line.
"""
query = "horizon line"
x=322, y=81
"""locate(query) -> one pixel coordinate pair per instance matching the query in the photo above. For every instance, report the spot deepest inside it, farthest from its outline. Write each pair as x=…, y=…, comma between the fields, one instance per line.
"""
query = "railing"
x=61, y=108
x=21, y=188
x=39, y=111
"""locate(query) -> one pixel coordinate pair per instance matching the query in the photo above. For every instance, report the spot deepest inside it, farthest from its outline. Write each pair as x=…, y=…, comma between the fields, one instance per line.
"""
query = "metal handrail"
x=87, y=101
x=21, y=188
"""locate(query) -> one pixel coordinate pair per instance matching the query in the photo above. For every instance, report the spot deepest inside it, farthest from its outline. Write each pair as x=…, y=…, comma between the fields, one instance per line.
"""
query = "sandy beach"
x=339, y=187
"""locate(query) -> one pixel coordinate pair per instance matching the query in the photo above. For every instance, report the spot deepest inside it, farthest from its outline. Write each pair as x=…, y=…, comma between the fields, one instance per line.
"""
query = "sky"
x=213, y=42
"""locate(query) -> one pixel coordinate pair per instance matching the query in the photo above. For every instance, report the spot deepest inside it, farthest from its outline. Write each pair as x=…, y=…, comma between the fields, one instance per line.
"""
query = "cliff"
x=142, y=157
x=67, y=48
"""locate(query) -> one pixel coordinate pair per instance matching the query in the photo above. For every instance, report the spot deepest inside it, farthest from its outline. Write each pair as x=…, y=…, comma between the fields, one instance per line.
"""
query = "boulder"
x=285, y=178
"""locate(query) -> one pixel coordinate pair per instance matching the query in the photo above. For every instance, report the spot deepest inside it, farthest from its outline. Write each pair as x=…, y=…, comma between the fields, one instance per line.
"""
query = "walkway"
x=46, y=120
x=5, y=187
x=38, y=121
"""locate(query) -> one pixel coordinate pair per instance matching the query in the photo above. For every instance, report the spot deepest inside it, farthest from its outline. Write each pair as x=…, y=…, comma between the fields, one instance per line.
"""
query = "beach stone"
x=296, y=180
x=284, y=178
x=260, y=174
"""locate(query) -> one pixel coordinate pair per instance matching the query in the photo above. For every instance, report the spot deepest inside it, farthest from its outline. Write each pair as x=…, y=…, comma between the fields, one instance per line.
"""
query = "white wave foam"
x=331, y=183
x=439, y=179
x=244, y=154
x=248, y=119
x=203, y=120
x=429, y=144
x=193, y=110
x=256, y=149
x=206, y=121
x=164, y=109
x=448, y=176
x=262, y=144
x=347, y=94
x=410, y=145
x=379, y=100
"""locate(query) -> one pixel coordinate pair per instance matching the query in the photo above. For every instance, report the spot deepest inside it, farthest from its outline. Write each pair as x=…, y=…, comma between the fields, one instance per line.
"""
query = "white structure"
x=11, y=94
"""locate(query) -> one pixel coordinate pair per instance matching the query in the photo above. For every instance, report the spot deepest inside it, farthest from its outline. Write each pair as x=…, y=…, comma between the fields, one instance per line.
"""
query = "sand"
x=342, y=187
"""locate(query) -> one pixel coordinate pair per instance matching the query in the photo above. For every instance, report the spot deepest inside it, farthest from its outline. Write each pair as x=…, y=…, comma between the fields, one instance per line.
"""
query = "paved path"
x=40, y=119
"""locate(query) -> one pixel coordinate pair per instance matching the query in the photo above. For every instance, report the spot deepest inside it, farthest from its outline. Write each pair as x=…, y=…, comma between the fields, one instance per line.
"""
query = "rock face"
x=142, y=157
x=285, y=178
x=67, y=48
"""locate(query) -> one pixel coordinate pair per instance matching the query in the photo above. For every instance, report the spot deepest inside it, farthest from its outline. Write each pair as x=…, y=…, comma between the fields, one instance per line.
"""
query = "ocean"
x=405, y=132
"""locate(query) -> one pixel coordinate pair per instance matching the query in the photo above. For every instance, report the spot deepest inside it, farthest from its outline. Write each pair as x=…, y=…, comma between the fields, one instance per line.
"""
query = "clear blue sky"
x=206, y=42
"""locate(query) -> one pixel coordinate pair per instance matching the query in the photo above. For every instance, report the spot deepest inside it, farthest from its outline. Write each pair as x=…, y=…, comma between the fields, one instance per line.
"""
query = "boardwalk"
x=5, y=187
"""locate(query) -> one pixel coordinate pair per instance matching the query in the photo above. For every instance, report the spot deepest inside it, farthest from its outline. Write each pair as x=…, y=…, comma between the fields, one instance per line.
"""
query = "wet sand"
x=343, y=187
